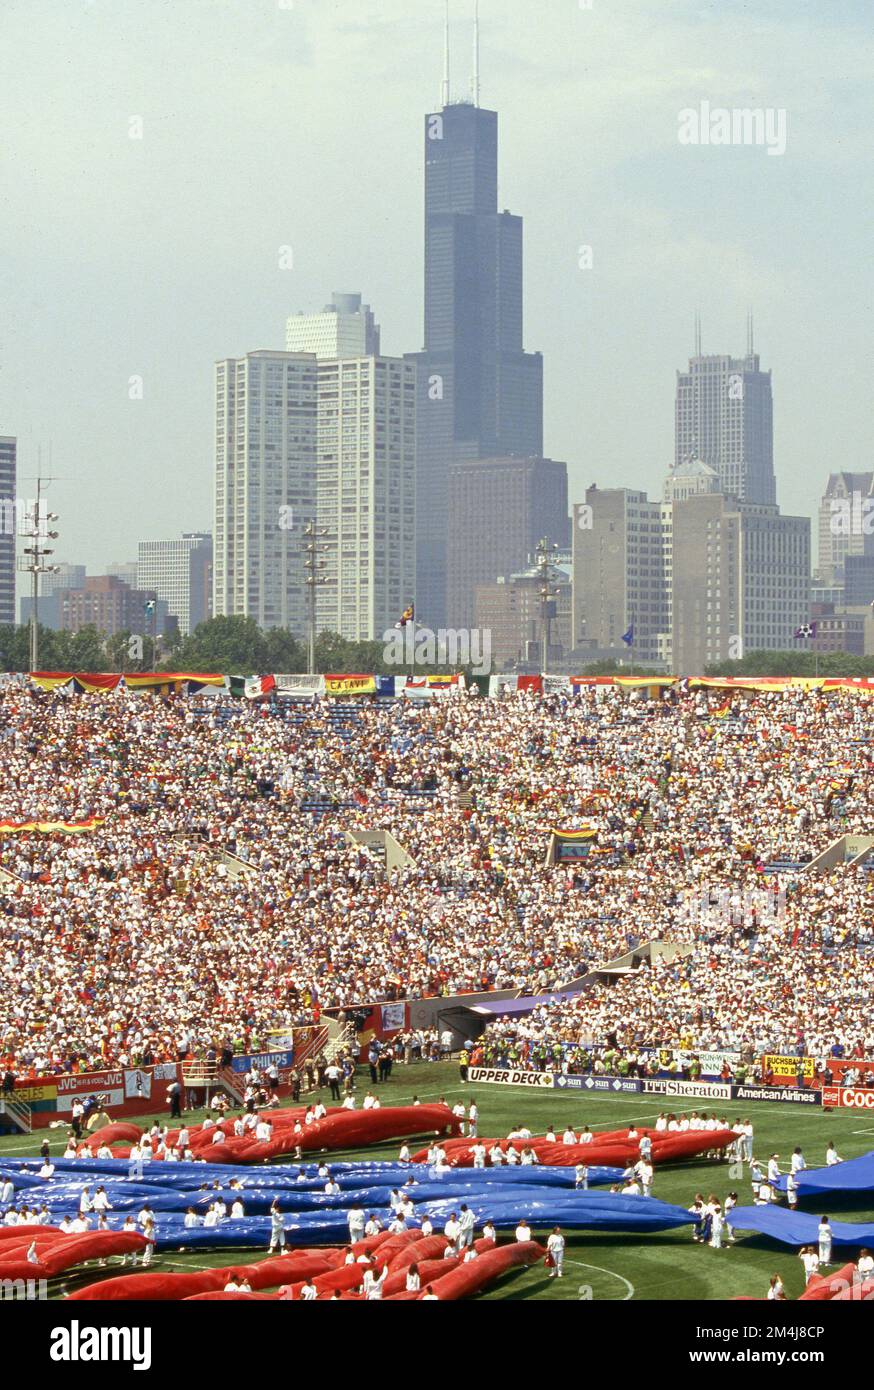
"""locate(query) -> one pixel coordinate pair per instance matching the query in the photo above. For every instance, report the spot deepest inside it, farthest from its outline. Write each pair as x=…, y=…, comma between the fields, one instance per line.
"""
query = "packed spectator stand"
x=213, y=893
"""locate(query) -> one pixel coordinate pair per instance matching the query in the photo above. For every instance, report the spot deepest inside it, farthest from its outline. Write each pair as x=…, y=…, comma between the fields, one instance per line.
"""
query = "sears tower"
x=479, y=394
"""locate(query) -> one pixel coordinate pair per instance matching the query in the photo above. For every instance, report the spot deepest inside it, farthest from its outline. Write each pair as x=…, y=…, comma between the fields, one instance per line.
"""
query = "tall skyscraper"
x=265, y=485
x=180, y=572
x=724, y=416
x=501, y=508
x=8, y=529
x=344, y=328
x=366, y=493
x=479, y=393
x=366, y=470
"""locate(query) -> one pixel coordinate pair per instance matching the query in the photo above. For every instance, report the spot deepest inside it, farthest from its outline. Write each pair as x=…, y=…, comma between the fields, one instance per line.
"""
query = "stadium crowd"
x=219, y=895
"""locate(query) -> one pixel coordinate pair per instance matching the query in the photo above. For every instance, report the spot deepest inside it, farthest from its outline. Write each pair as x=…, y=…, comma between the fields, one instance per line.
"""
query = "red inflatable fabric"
x=281, y=1119
x=43, y=1245
x=165, y=1287
x=428, y=1248
x=93, y=1245
x=16, y=1234
x=219, y=1296
x=823, y=1288
x=57, y=1252
x=470, y=1278
x=118, y=1132
x=383, y=1256
x=370, y=1243
x=345, y=1277
x=22, y=1269
x=340, y=1129
x=610, y=1136
x=614, y=1153
x=429, y=1271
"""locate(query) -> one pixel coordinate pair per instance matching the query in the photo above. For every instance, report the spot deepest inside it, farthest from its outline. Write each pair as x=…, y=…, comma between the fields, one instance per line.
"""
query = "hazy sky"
x=271, y=123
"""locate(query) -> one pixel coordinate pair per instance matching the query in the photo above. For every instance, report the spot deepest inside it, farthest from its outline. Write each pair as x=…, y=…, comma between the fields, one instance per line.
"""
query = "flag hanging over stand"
x=256, y=686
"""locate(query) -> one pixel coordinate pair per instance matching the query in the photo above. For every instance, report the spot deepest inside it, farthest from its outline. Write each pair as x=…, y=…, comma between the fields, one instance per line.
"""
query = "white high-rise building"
x=344, y=328
x=180, y=572
x=265, y=476
x=366, y=493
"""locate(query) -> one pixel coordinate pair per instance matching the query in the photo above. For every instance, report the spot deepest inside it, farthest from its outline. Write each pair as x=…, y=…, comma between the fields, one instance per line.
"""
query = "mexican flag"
x=257, y=686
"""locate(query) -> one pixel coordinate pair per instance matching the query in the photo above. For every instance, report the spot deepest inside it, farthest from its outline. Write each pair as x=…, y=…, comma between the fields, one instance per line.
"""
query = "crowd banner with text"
x=785, y=1070
x=350, y=685
x=711, y=1063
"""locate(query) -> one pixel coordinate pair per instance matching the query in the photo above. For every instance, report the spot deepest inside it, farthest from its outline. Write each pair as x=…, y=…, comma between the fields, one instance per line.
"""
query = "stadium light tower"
x=35, y=528
x=313, y=567
x=546, y=551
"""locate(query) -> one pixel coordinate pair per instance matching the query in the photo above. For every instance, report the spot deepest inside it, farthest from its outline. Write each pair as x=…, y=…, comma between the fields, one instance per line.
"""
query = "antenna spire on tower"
x=474, y=81
x=445, y=88
x=697, y=334
x=750, y=348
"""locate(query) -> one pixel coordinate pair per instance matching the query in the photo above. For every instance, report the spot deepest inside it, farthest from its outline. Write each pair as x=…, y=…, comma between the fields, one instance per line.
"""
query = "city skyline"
x=589, y=156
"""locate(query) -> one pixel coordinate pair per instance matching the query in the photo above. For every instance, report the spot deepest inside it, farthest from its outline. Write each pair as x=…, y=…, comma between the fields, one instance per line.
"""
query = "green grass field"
x=660, y=1266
